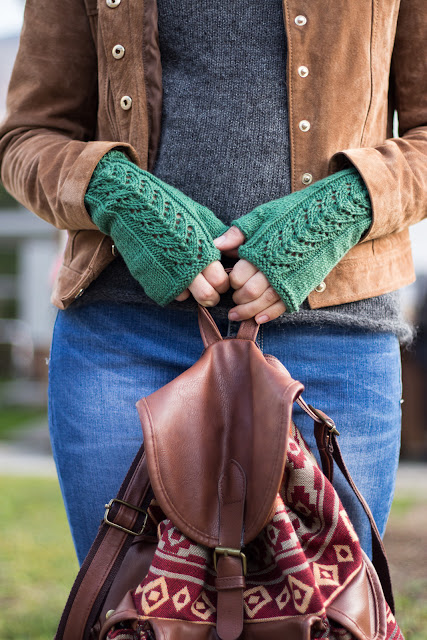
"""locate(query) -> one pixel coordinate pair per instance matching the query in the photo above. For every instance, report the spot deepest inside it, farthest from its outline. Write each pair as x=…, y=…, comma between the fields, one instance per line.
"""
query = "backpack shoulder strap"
x=379, y=558
x=327, y=444
x=125, y=517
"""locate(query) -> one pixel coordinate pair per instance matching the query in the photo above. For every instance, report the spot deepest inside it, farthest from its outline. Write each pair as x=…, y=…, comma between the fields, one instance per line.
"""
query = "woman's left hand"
x=254, y=296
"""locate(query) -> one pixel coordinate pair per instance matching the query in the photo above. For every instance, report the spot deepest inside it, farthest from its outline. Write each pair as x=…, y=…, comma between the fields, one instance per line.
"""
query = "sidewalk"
x=31, y=455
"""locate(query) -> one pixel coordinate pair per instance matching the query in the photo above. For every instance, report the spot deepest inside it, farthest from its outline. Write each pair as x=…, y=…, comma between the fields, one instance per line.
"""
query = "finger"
x=271, y=313
x=242, y=271
x=231, y=239
x=203, y=292
x=183, y=296
x=217, y=277
x=252, y=289
x=251, y=309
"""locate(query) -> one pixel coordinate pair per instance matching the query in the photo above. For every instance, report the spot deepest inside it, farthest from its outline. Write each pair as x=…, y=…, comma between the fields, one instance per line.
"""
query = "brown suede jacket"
x=88, y=78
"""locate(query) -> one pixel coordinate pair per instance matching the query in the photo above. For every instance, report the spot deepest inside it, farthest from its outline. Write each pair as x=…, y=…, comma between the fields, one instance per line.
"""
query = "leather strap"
x=323, y=440
x=379, y=558
x=329, y=450
x=322, y=424
x=230, y=582
x=105, y=556
x=208, y=329
x=210, y=333
x=248, y=330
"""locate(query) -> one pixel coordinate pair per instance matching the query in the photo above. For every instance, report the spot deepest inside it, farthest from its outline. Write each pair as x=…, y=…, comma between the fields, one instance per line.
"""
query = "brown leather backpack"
x=225, y=526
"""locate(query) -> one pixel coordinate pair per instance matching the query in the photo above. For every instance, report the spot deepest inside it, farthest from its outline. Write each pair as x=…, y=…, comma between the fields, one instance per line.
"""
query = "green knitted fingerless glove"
x=296, y=240
x=164, y=237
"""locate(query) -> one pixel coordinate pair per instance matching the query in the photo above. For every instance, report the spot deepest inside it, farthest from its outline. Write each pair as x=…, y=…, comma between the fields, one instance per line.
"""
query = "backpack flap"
x=221, y=425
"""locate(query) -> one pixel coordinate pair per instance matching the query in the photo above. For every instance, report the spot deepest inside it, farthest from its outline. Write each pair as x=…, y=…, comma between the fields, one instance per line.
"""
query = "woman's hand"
x=207, y=285
x=254, y=295
x=164, y=237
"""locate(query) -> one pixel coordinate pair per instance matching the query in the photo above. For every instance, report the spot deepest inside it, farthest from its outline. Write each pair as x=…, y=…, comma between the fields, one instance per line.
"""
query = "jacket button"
x=125, y=103
x=300, y=21
x=307, y=178
x=303, y=71
x=118, y=51
x=79, y=294
x=113, y=3
x=304, y=125
x=320, y=287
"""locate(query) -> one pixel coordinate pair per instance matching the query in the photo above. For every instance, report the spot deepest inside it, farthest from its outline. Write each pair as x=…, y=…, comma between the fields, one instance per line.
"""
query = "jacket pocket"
x=80, y=249
x=110, y=109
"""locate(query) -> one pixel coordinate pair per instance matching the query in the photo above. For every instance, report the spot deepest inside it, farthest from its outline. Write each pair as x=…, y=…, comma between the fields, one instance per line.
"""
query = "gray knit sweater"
x=225, y=139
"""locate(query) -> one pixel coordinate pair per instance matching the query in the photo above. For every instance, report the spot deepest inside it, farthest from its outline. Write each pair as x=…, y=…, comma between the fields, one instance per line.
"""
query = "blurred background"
x=30, y=252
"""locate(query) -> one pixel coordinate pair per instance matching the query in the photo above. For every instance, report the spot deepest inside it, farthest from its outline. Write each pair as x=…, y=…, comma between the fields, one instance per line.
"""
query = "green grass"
x=14, y=418
x=38, y=565
x=37, y=561
x=402, y=504
x=411, y=609
x=6, y=200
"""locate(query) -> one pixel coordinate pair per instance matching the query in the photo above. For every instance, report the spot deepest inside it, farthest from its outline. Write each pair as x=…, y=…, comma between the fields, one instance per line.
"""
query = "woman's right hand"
x=207, y=285
x=164, y=237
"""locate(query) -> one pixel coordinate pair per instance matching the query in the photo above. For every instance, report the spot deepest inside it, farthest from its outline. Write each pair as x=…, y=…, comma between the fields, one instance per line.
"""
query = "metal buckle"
x=327, y=421
x=118, y=526
x=226, y=551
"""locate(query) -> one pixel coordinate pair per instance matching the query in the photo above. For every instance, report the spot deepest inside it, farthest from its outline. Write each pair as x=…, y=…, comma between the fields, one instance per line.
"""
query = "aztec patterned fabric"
x=297, y=565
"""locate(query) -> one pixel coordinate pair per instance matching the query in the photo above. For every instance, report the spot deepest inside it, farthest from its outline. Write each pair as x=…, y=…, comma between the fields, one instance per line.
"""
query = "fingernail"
x=233, y=315
x=262, y=319
x=218, y=242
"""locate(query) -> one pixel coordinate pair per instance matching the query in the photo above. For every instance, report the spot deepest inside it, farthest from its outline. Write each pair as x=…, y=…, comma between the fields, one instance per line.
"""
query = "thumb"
x=231, y=239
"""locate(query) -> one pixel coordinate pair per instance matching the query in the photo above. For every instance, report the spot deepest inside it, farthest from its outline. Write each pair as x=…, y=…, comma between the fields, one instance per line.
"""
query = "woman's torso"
x=224, y=135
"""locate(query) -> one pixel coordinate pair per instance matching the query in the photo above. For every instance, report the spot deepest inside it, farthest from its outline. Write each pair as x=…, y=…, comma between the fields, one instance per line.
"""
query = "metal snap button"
x=113, y=3
x=126, y=103
x=304, y=125
x=307, y=178
x=320, y=287
x=300, y=21
x=114, y=250
x=303, y=71
x=118, y=51
x=79, y=294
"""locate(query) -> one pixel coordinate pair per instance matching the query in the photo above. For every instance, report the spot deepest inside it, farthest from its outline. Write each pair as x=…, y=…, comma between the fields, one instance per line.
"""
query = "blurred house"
x=28, y=247
x=414, y=358
x=8, y=49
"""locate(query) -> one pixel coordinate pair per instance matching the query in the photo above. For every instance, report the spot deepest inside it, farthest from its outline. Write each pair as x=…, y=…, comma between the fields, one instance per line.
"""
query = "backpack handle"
x=210, y=333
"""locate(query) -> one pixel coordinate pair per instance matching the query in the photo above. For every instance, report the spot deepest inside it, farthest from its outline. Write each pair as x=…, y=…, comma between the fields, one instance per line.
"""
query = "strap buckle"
x=326, y=420
x=227, y=551
x=118, y=526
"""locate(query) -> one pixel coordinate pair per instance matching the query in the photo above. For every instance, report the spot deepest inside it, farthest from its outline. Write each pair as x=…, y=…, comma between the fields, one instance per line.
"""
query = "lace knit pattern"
x=296, y=240
x=164, y=237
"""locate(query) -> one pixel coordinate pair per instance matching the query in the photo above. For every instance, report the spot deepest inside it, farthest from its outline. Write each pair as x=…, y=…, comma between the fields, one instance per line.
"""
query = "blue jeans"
x=106, y=356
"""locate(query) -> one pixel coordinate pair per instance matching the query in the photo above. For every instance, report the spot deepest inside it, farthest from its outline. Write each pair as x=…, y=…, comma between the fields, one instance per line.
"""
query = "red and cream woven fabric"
x=297, y=565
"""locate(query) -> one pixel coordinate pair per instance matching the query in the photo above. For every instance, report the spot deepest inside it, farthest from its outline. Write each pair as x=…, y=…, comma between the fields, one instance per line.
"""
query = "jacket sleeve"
x=395, y=172
x=46, y=153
